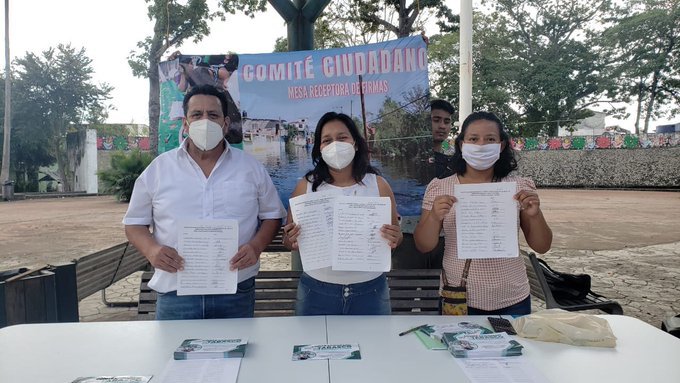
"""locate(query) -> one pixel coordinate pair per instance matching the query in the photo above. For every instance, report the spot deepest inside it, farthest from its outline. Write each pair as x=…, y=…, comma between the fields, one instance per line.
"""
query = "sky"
x=109, y=30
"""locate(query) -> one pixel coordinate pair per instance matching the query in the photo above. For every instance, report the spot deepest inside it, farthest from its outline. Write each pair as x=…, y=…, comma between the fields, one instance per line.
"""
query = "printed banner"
x=276, y=99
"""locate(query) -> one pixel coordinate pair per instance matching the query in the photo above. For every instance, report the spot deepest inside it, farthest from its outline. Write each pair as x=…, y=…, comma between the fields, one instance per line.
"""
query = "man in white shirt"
x=203, y=179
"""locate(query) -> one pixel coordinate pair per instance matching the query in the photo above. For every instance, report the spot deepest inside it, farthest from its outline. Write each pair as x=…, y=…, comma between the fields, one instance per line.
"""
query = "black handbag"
x=565, y=285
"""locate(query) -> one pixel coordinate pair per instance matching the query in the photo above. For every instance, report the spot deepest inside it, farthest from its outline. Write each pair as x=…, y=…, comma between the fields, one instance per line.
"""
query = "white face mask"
x=205, y=134
x=338, y=154
x=481, y=157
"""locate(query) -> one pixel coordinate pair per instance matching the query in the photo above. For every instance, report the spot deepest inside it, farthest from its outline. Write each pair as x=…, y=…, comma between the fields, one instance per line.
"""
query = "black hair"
x=361, y=164
x=229, y=109
x=506, y=162
x=231, y=64
x=442, y=105
x=208, y=90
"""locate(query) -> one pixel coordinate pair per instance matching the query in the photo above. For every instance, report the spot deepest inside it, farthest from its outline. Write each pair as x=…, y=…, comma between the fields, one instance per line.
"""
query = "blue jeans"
x=239, y=305
x=518, y=309
x=320, y=298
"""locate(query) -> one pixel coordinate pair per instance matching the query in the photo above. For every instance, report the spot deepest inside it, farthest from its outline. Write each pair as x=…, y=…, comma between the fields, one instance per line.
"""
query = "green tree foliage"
x=120, y=179
x=643, y=47
x=534, y=63
x=53, y=96
x=492, y=73
x=345, y=25
x=402, y=19
x=174, y=23
x=326, y=36
x=30, y=145
x=119, y=130
x=351, y=22
x=248, y=7
x=396, y=122
x=557, y=73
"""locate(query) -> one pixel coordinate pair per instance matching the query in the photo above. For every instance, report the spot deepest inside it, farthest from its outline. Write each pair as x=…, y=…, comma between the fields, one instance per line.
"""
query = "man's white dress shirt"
x=173, y=188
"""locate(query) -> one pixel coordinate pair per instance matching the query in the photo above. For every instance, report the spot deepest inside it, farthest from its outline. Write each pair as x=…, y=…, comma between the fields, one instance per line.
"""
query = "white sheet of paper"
x=514, y=369
x=486, y=220
x=201, y=371
x=313, y=212
x=207, y=246
x=357, y=242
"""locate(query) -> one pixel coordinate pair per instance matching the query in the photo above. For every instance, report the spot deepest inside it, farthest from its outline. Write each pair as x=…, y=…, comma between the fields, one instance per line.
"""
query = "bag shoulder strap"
x=463, y=278
x=466, y=270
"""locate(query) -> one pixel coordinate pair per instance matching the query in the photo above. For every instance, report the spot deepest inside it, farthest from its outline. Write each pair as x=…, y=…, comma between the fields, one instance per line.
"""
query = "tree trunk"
x=652, y=98
x=4, y=171
x=154, y=106
x=404, y=28
x=154, y=93
x=639, y=106
x=61, y=166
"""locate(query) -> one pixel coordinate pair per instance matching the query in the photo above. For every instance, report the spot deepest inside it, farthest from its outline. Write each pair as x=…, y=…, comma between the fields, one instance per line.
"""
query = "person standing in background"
x=441, y=112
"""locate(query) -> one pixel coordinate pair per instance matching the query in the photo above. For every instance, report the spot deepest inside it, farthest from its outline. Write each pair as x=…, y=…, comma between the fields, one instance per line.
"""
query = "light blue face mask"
x=481, y=157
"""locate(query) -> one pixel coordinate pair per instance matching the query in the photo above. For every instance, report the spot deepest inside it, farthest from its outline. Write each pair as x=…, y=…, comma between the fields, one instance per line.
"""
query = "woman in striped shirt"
x=483, y=154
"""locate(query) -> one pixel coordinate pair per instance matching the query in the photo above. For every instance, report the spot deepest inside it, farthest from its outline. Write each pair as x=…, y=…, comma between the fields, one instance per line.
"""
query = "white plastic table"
x=643, y=353
x=61, y=352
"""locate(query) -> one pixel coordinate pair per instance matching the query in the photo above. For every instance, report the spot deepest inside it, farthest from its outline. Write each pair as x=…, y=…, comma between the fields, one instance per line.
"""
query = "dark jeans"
x=518, y=309
x=238, y=305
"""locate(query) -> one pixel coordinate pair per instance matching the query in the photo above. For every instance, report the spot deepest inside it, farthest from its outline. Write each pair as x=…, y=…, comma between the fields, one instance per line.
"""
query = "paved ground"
x=628, y=241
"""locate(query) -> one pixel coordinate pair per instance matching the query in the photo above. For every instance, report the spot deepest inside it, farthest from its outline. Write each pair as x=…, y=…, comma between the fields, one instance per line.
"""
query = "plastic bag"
x=560, y=326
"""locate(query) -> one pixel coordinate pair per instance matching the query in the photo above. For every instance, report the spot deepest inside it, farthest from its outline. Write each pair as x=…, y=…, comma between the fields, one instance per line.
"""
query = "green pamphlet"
x=429, y=342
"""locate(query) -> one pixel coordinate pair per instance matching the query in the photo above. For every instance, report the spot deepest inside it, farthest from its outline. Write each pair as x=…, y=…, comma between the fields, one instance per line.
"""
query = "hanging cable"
x=400, y=107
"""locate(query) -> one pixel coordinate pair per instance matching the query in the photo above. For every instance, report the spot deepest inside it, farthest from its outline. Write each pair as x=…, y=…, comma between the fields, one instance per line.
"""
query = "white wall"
x=86, y=173
x=591, y=126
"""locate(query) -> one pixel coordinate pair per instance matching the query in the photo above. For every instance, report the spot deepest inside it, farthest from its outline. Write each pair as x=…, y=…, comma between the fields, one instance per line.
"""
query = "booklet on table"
x=211, y=349
x=437, y=331
x=113, y=379
x=482, y=345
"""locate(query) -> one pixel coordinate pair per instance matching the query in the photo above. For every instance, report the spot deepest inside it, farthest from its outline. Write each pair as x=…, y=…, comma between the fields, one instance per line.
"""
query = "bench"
x=412, y=292
x=276, y=245
x=540, y=289
x=276, y=290
x=97, y=271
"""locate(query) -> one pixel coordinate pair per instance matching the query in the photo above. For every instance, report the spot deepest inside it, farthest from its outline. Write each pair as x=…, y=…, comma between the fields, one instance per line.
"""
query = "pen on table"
x=412, y=330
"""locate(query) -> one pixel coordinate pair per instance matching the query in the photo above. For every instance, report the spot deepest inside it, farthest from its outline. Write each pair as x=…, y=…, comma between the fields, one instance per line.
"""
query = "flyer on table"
x=113, y=379
x=326, y=351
